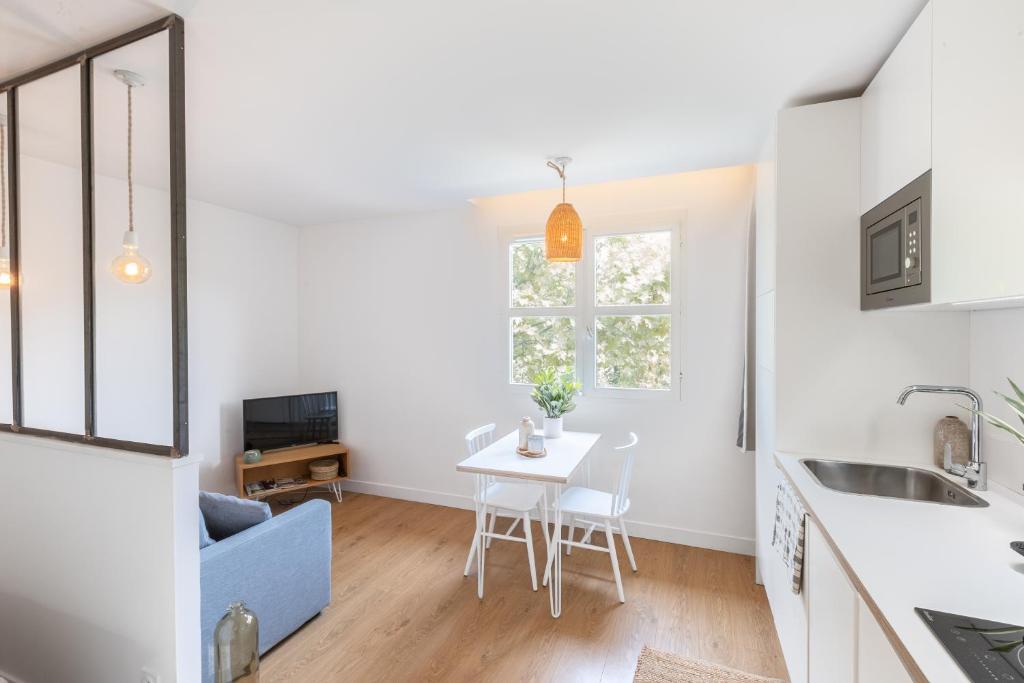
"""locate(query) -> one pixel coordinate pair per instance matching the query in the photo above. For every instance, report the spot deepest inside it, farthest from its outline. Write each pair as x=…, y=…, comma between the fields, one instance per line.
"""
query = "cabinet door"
x=977, y=203
x=896, y=117
x=877, y=662
x=831, y=614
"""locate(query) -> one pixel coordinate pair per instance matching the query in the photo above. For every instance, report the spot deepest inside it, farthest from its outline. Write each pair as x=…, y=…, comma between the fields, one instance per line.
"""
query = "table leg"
x=547, y=532
x=481, y=545
x=555, y=558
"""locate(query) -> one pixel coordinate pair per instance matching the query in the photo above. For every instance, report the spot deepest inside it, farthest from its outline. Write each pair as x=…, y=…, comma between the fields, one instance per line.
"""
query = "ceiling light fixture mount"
x=563, y=235
x=131, y=266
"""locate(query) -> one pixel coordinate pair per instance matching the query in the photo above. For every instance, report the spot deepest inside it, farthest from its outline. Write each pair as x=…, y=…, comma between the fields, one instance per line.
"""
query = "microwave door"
x=885, y=262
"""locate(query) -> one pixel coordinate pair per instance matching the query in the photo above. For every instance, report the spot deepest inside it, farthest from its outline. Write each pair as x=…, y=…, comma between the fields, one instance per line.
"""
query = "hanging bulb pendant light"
x=131, y=266
x=563, y=236
x=6, y=276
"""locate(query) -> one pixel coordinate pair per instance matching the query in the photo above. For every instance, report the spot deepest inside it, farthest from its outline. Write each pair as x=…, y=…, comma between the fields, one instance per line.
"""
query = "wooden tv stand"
x=291, y=462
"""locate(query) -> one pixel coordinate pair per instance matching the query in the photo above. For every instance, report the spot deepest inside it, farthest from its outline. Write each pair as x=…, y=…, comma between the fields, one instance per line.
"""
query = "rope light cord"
x=560, y=169
x=131, y=189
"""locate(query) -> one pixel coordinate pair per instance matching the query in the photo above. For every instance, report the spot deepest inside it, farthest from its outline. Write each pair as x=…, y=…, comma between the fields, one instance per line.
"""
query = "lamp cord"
x=131, y=189
x=560, y=169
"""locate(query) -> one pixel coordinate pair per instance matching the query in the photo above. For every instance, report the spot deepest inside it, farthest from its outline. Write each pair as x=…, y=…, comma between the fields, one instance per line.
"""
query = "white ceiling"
x=312, y=111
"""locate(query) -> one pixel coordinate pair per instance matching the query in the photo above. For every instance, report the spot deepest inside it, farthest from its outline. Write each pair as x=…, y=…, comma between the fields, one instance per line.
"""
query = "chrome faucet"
x=976, y=471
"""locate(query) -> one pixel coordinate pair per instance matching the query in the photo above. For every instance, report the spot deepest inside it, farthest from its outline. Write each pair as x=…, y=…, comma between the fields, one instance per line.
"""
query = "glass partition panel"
x=133, y=320
x=51, y=255
x=6, y=364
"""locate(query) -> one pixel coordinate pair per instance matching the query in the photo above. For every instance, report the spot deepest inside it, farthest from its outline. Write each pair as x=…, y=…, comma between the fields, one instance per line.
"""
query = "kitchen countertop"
x=906, y=554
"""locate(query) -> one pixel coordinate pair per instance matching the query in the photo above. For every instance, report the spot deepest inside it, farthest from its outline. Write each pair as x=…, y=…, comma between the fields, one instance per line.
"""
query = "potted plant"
x=555, y=395
x=1016, y=405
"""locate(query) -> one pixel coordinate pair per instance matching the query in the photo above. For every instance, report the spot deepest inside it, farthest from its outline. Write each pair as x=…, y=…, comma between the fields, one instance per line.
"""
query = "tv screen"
x=284, y=421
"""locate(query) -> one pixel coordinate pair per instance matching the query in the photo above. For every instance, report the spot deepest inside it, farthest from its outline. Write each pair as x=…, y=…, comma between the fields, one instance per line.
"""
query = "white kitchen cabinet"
x=845, y=643
x=877, y=661
x=831, y=614
x=896, y=117
x=978, y=150
x=949, y=99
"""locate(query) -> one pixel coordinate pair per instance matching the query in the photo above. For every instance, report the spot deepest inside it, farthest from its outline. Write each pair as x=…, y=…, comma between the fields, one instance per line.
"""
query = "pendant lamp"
x=131, y=266
x=563, y=236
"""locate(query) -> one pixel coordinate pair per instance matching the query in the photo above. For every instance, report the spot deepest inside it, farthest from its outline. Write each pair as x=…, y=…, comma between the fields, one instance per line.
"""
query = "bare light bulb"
x=6, y=276
x=131, y=266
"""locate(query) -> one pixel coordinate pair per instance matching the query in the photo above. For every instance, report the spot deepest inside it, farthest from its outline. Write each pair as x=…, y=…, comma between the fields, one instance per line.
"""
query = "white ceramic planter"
x=552, y=427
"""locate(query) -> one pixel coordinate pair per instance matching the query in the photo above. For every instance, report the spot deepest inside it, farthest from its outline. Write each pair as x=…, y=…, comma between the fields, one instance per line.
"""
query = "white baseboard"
x=450, y=500
x=648, y=530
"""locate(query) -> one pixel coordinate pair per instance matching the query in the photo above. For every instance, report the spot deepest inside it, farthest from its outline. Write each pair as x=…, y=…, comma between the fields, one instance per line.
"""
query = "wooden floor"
x=402, y=611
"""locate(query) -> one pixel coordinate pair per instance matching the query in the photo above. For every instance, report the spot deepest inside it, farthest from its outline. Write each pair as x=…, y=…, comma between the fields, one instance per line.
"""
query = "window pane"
x=50, y=194
x=537, y=283
x=633, y=269
x=539, y=343
x=634, y=351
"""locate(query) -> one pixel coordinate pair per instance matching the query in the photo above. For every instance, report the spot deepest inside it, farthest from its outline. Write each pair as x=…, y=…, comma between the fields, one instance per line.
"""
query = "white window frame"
x=585, y=312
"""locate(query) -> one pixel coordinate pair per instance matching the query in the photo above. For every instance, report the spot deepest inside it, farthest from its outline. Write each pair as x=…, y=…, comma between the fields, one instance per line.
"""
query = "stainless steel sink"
x=887, y=481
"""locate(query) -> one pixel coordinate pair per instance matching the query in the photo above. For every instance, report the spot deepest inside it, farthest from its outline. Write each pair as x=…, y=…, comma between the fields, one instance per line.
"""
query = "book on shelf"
x=254, y=487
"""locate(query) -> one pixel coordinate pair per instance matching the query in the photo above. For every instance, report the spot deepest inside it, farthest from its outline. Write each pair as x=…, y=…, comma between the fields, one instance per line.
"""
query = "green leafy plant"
x=554, y=393
x=1016, y=404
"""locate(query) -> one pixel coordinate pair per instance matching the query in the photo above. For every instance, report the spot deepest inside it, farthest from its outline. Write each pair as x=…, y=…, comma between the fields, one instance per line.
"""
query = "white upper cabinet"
x=896, y=117
x=978, y=150
x=950, y=98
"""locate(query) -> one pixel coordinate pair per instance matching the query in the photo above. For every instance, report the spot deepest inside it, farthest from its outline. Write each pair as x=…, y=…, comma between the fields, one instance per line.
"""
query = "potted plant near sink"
x=555, y=395
x=1016, y=404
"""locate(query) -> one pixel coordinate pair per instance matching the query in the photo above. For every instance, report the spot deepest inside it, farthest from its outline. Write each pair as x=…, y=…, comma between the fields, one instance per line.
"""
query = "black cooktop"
x=985, y=650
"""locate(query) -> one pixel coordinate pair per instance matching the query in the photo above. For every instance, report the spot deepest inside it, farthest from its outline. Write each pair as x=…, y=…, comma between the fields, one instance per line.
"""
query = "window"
x=613, y=320
x=542, y=322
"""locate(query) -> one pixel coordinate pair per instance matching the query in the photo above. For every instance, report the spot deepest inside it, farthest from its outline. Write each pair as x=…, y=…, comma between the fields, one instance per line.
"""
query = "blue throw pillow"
x=204, y=534
x=227, y=515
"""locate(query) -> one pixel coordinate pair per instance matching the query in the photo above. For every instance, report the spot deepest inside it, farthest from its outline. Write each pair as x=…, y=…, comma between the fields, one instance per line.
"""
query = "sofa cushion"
x=227, y=515
x=204, y=534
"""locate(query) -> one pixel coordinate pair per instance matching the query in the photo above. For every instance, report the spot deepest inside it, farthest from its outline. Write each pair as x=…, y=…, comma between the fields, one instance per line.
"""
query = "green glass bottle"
x=236, y=643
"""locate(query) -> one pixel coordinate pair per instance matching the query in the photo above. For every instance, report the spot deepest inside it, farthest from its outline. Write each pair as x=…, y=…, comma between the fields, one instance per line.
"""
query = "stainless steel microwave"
x=895, y=248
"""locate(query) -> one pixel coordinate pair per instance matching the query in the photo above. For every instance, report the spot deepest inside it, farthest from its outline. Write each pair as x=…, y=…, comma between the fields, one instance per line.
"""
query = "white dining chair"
x=590, y=509
x=514, y=499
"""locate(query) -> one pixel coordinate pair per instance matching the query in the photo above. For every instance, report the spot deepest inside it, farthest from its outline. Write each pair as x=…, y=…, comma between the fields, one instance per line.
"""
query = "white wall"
x=997, y=353
x=243, y=327
x=98, y=572
x=404, y=316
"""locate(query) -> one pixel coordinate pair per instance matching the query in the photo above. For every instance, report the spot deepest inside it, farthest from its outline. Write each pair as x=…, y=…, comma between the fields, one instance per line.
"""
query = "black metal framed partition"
x=175, y=27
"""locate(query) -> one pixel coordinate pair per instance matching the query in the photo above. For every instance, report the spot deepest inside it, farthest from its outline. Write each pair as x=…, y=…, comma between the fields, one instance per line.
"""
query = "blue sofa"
x=281, y=568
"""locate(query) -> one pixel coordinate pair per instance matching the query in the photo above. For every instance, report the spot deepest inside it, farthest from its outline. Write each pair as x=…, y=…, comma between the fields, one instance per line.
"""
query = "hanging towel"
x=788, y=533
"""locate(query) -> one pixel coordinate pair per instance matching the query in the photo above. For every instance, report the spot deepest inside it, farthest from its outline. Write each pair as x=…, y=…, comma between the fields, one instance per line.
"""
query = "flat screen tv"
x=284, y=421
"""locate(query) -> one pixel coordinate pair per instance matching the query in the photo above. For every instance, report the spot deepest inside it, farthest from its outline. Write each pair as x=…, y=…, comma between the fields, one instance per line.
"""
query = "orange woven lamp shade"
x=563, y=237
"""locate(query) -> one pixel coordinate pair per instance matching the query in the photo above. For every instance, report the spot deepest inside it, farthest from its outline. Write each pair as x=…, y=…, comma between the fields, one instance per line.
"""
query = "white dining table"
x=500, y=459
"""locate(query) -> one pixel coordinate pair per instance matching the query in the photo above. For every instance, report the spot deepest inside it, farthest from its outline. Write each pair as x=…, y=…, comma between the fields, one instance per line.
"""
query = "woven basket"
x=321, y=470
